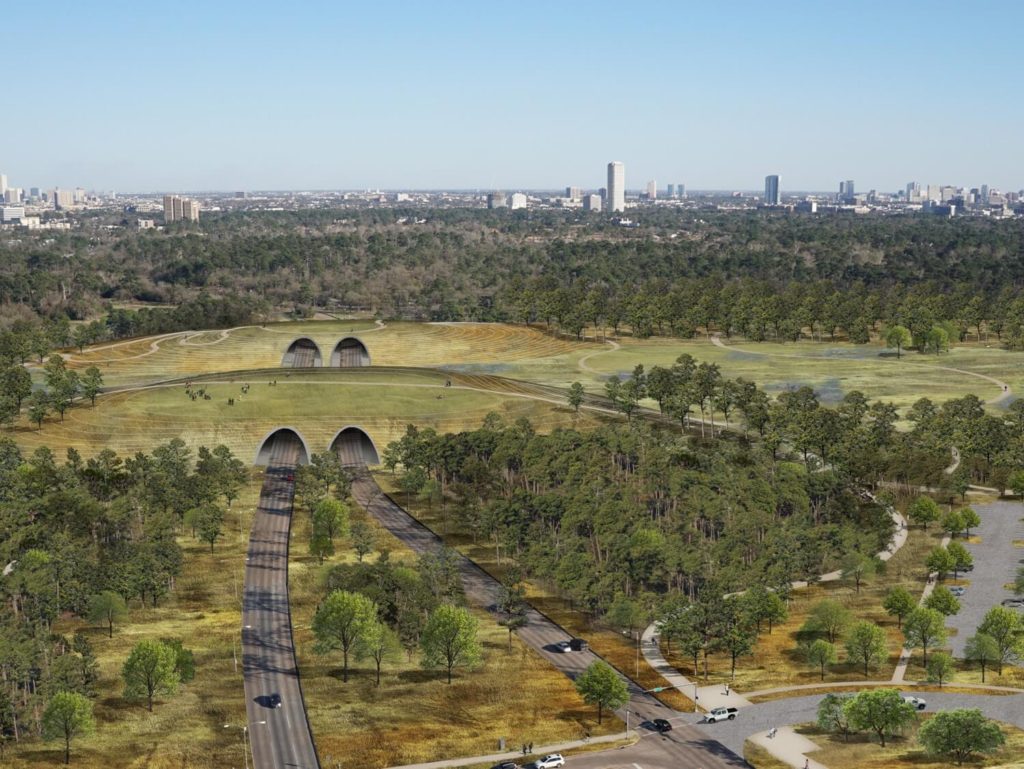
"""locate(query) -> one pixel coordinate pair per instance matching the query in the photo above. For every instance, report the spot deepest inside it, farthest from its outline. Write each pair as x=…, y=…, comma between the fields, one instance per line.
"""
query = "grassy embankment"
x=415, y=715
x=902, y=752
x=186, y=729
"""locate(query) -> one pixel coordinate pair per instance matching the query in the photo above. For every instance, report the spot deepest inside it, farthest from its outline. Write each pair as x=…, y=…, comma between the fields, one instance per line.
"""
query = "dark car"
x=661, y=725
x=578, y=645
x=506, y=765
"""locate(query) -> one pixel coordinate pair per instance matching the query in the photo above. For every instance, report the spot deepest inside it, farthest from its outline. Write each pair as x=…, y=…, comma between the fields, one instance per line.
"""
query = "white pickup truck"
x=720, y=714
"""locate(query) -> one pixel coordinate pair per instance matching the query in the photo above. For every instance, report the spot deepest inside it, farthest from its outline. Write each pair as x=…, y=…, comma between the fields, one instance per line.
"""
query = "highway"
x=280, y=735
x=686, y=747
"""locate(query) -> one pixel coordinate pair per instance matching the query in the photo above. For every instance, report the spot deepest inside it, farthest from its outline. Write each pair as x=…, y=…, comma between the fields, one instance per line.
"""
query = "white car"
x=563, y=646
x=551, y=761
x=917, y=702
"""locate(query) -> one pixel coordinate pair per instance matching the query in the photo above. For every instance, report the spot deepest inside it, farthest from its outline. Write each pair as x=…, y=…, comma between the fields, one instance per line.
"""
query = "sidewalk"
x=789, y=747
x=517, y=755
x=901, y=667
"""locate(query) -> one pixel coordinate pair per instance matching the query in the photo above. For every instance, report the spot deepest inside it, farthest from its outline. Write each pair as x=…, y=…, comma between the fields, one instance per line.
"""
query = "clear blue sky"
x=228, y=94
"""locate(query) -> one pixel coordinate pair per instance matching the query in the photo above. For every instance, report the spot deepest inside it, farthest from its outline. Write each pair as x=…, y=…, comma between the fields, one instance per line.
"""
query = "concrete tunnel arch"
x=302, y=352
x=266, y=445
x=355, y=446
x=350, y=351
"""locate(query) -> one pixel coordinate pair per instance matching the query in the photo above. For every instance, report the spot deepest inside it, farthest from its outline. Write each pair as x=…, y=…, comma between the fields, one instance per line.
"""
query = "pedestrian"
x=531, y=747
x=727, y=690
x=807, y=763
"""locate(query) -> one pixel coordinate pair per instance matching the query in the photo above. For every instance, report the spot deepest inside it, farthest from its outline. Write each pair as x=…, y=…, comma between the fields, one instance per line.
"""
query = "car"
x=563, y=646
x=957, y=591
x=550, y=761
x=506, y=765
x=720, y=714
x=917, y=702
x=578, y=645
x=1013, y=602
x=274, y=700
x=661, y=725
x=291, y=477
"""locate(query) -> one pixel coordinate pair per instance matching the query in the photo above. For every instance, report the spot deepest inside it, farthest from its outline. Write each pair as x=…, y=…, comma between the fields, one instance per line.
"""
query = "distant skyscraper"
x=616, y=199
x=178, y=209
x=772, y=195
x=984, y=193
x=913, y=191
x=496, y=200
x=681, y=190
x=3, y=183
x=517, y=200
x=670, y=191
x=652, y=190
x=574, y=193
x=592, y=202
x=63, y=199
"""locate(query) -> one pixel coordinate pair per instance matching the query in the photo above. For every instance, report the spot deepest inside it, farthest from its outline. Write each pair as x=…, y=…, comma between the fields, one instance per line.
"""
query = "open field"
x=187, y=729
x=316, y=403
x=515, y=694
x=530, y=353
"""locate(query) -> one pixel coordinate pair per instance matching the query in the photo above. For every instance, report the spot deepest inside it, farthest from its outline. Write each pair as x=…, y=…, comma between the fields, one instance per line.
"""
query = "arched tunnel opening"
x=350, y=352
x=282, y=446
x=355, y=447
x=302, y=353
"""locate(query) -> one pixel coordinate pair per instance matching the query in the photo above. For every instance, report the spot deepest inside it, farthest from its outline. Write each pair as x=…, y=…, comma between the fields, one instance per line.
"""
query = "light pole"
x=245, y=742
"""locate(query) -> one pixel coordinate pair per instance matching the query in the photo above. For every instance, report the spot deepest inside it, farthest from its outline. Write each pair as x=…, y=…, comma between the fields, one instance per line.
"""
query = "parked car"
x=1013, y=602
x=720, y=714
x=506, y=765
x=563, y=646
x=917, y=702
x=578, y=645
x=957, y=590
x=661, y=725
x=552, y=761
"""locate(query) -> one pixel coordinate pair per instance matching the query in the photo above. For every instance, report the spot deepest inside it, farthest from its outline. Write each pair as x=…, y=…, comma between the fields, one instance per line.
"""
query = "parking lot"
x=996, y=559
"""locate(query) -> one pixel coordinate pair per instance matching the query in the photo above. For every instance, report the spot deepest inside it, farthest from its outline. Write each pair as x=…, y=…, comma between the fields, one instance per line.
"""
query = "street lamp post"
x=246, y=744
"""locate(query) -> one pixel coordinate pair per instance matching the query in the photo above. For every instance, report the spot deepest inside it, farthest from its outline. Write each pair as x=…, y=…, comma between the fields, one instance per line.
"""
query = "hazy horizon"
x=327, y=96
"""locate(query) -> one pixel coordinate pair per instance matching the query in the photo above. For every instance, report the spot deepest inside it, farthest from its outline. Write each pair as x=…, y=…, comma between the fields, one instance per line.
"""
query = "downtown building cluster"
x=179, y=209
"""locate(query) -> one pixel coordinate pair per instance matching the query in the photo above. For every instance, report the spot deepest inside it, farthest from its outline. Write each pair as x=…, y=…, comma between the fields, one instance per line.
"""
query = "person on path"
x=807, y=763
x=727, y=690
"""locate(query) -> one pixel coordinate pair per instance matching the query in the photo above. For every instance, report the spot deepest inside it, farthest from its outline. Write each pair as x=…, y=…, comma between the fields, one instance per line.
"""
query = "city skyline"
x=346, y=96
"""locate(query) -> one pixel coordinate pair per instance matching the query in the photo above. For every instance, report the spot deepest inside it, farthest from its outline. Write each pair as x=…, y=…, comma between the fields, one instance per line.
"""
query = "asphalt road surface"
x=686, y=747
x=279, y=733
x=995, y=563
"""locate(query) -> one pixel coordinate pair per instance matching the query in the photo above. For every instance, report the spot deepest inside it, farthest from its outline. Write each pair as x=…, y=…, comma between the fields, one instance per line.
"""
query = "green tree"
x=882, y=711
x=106, y=607
x=331, y=518
x=924, y=628
x=941, y=668
x=829, y=617
x=898, y=602
x=943, y=602
x=898, y=337
x=1005, y=626
x=149, y=670
x=68, y=715
x=39, y=407
x=575, y=396
x=16, y=382
x=92, y=383
x=379, y=643
x=208, y=522
x=762, y=605
x=960, y=733
x=340, y=623
x=832, y=716
x=984, y=650
x=962, y=558
x=822, y=655
x=363, y=540
x=866, y=646
x=940, y=561
x=450, y=639
x=857, y=567
x=600, y=685
x=970, y=519
x=952, y=522
x=924, y=510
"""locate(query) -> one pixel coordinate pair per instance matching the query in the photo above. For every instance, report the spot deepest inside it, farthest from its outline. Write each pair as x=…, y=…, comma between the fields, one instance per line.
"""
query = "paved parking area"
x=995, y=563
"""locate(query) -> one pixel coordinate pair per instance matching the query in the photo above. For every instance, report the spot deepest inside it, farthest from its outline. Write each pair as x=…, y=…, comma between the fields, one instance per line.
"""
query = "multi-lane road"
x=686, y=747
x=278, y=730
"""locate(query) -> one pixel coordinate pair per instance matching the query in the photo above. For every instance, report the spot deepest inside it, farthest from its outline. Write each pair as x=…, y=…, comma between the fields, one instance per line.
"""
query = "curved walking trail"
x=582, y=362
x=279, y=734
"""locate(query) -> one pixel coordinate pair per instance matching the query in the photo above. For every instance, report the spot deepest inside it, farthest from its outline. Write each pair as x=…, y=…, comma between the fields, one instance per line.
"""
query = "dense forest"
x=762, y=275
x=87, y=538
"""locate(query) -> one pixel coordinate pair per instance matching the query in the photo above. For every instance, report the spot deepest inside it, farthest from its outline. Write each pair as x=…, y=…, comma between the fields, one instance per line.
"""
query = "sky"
x=429, y=94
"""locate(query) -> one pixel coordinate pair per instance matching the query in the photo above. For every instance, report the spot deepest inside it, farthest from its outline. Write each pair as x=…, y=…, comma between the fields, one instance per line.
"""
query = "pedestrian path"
x=517, y=755
x=900, y=672
x=789, y=747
